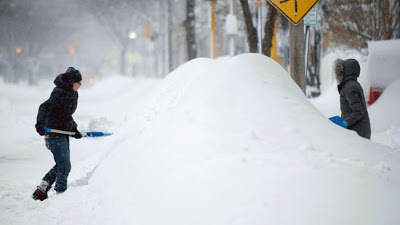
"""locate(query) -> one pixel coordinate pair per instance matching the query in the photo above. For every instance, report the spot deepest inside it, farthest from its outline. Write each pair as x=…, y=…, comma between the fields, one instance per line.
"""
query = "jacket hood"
x=351, y=68
x=61, y=83
x=346, y=70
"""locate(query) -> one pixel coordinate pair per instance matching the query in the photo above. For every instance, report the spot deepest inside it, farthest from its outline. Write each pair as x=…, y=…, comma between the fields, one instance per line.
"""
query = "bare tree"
x=269, y=30
x=252, y=37
x=190, y=25
x=355, y=22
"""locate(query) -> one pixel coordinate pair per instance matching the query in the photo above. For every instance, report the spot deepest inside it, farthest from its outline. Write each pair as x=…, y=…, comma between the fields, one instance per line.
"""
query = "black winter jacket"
x=352, y=100
x=56, y=112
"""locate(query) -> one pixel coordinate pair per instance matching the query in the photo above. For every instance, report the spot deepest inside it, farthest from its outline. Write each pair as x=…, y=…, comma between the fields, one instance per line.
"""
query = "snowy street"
x=226, y=141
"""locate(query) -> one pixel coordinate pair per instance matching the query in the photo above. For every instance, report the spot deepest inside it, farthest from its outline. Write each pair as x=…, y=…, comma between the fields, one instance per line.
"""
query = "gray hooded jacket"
x=352, y=100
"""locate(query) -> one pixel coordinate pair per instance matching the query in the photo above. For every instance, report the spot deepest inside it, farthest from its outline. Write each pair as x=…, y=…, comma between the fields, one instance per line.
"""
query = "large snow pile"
x=217, y=142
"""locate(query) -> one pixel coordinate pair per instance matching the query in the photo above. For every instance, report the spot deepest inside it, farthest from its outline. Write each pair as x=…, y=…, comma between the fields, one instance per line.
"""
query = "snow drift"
x=387, y=119
x=230, y=142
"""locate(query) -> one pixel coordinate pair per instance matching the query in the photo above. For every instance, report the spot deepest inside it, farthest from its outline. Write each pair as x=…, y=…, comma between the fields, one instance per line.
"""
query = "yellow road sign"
x=294, y=10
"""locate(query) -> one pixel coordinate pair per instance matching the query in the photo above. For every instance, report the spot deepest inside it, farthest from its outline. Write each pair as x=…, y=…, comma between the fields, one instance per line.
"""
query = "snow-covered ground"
x=230, y=141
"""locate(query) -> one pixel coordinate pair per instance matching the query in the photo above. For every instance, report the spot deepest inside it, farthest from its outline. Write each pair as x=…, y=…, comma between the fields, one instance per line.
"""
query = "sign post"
x=295, y=11
x=296, y=55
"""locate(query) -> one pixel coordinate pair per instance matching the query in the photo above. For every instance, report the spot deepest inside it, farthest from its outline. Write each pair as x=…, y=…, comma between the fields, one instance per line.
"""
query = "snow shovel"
x=84, y=134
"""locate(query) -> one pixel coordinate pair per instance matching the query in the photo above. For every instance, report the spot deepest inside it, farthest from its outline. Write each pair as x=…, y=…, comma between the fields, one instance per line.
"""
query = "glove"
x=339, y=121
x=77, y=135
x=40, y=129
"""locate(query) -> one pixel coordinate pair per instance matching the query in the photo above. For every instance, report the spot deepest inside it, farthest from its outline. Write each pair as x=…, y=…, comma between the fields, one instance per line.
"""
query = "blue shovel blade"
x=96, y=134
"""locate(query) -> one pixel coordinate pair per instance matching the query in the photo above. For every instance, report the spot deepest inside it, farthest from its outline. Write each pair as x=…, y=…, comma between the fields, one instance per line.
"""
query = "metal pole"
x=307, y=37
x=232, y=45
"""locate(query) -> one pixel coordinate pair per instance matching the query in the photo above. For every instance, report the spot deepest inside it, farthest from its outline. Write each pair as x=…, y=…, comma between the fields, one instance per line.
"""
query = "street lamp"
x=71, y=52
x=132, y=35
x=18, y=50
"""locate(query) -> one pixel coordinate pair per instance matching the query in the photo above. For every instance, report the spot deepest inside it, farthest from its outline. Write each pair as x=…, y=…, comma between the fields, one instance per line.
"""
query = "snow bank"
x=386, y=110
x=219, y=142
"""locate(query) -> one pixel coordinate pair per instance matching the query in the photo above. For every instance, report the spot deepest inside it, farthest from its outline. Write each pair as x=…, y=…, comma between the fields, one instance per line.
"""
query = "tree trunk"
x=386, y=21
x=269, y=30
x=252, y=38
x=190, y=25
x=169, y=36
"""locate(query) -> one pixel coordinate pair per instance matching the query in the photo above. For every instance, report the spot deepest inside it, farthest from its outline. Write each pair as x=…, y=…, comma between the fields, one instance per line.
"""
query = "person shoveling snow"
x=55, y=122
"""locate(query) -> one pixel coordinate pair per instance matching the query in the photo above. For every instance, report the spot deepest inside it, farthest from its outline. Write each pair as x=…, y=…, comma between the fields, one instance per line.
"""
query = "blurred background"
x=150, y=38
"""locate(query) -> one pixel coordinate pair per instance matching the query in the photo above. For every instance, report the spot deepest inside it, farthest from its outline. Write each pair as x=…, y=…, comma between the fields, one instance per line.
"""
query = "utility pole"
x=213, y=30
x=297, y=61
x=231, y=28
x=259, y=4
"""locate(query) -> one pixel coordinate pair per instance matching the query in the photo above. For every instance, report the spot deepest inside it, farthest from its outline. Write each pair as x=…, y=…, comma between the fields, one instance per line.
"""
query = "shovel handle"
x=49, y=130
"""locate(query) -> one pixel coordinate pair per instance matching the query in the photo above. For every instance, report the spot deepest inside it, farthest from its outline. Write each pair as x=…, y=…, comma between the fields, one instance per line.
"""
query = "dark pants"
x=59, y=146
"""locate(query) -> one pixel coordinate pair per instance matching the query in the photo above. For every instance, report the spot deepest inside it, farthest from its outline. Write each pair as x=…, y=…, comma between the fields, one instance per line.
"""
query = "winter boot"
x=41, y=191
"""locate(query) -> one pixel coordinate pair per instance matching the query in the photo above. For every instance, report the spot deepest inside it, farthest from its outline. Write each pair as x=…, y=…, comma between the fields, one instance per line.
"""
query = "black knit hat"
x=72, y=75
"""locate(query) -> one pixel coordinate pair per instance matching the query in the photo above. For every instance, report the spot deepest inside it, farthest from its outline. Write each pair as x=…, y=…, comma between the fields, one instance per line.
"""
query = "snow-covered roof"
x=383, y=62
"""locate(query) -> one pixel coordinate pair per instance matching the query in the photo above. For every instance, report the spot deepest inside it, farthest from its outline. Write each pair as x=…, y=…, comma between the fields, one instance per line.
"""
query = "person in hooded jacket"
x=56, y=113
x=352, y=101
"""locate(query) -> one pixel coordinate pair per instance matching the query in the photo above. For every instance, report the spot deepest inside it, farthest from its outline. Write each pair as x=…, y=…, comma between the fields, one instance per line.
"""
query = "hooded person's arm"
x=77, y=134
x=356, y=106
